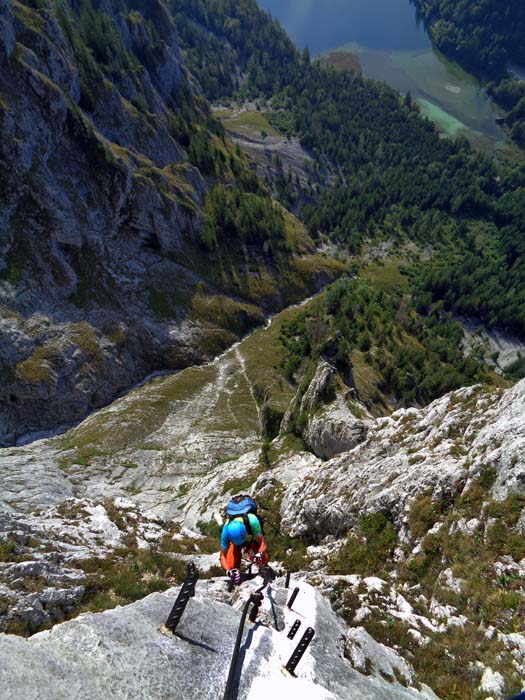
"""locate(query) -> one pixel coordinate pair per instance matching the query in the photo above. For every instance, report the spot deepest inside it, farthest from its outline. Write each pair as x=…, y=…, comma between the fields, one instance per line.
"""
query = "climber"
x=242, y=533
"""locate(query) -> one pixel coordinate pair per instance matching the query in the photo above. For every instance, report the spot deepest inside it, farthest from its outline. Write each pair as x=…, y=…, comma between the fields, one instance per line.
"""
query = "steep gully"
x=217, y=361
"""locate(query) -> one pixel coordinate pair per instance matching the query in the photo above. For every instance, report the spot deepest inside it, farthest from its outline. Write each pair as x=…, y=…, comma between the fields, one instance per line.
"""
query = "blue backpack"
x=241, y=506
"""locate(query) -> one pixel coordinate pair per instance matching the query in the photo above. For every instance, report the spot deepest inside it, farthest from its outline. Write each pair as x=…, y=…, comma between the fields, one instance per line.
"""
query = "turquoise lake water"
x=393, y=45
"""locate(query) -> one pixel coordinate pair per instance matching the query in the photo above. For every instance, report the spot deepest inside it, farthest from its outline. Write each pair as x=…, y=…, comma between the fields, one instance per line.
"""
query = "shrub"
x=368, y=549
x=211, y=528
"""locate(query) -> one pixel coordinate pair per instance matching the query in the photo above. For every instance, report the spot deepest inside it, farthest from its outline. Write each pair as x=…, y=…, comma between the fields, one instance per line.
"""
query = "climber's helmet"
x=237, y=532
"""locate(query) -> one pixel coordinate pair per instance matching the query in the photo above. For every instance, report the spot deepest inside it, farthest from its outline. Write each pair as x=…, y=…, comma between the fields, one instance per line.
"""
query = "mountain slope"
x=411, y=524
x=391, y=176
x=116, y=257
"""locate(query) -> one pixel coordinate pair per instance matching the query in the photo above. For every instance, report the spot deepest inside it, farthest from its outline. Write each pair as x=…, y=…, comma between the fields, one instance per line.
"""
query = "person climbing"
x=243, y=532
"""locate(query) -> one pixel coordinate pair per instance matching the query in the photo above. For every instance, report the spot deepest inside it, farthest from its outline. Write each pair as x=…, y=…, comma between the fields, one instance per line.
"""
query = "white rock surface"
x=334, y=429
x=120, y=653
x=46, y=581
x=366, y=655
x=438, y=450
x=492, y=682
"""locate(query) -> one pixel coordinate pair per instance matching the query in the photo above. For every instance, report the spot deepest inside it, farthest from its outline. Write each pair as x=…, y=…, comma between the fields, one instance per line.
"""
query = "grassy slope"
x=129, y=424
x=446, y=662
x=246, y=122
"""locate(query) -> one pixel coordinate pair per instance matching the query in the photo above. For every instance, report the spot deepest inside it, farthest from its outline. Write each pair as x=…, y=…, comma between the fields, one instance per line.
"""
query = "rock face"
x=121, y=653
x=7, y=34
x=499, y=441
x=320, y=388
x=333, y=430
x=83, y=236
x=433, y=450
x=171, y=444
x=43, y=582
x=103, y=275
x=317, y=392
x=323, y=417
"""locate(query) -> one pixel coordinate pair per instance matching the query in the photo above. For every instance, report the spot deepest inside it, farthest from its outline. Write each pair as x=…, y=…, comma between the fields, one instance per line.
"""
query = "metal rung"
x=293, y=630
x=299, y=650
x=293, y=597
x=186, y=592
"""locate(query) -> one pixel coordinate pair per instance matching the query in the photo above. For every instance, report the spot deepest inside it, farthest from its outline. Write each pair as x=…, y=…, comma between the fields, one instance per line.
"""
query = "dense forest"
x=394, y=177
x=387, y=158
x=485, y=36
x=407, y=356
x=485, y=278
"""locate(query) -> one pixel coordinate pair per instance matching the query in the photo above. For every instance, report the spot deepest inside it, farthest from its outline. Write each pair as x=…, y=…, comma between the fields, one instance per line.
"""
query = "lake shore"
x=385, y=41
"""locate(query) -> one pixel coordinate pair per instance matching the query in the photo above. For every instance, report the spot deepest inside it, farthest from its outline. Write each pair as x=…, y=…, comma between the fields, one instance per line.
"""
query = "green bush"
x=211, y=528
x=368, y=550
x=8, y=551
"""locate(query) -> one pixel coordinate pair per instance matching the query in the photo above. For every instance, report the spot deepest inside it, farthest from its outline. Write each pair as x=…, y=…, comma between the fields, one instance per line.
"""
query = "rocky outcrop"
x=167, y=460
x=432, y=450
x=123, y=652
x=319, y=389
x=366, y=654
x=334, y=429
x=498, y=441
x=43, y=580
x=323, y=417
x=32, y=611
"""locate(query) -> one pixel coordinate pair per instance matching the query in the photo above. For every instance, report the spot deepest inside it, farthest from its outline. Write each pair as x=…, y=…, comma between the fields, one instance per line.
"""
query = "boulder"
x=333, y=430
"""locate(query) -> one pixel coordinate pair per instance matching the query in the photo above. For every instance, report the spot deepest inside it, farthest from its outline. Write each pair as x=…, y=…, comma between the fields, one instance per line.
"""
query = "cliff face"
x=107, y=155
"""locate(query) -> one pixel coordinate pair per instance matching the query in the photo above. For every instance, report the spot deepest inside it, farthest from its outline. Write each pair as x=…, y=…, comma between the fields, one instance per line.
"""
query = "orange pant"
x=233, y=555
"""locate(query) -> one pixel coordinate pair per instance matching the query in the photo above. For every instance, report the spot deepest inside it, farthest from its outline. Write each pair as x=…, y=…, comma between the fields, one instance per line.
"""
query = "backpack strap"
x=247, y=525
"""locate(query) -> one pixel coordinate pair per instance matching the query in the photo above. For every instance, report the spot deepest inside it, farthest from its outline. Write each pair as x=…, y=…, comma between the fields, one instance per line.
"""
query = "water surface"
x=324, y=24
